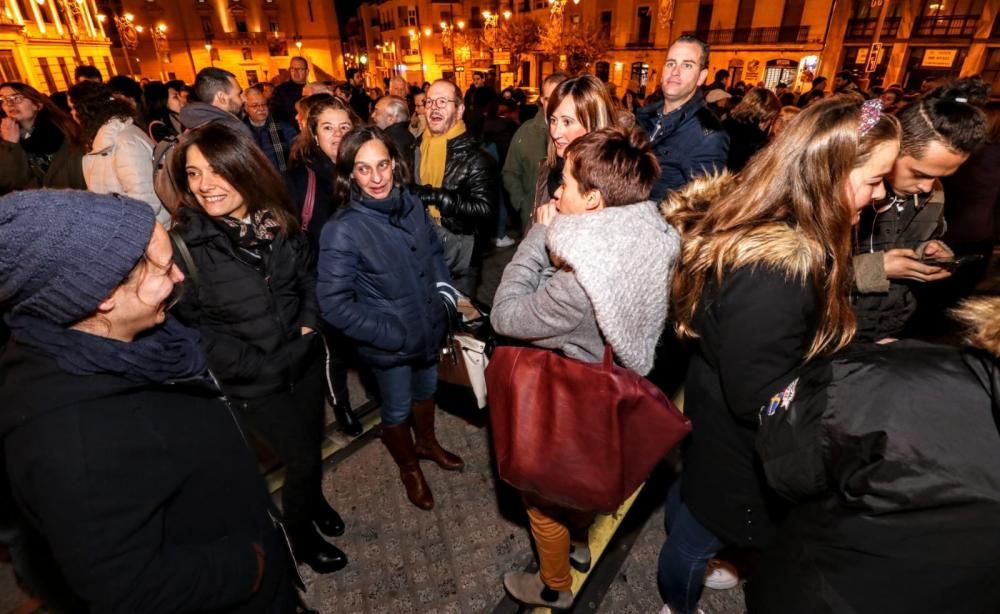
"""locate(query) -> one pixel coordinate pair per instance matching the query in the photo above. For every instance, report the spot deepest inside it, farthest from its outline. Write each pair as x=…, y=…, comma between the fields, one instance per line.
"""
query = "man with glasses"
x=455, y=179
x=273, y=136
x=288, y=93
x=527, y=150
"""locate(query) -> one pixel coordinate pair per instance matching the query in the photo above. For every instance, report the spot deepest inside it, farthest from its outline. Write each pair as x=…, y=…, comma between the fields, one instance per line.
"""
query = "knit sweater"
x=612, y=286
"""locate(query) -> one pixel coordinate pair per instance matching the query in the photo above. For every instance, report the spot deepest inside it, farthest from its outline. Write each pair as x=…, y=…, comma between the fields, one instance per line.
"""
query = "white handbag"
x=463, y=363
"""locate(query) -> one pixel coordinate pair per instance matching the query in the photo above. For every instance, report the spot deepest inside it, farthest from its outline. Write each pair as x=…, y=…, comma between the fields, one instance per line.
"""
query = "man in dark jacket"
x=220, y=99
x=899, y=234
x=359, y=100
x=892, y=457
x=686, y=136
x=273, y=136
x=456, y=180
x=288, y=93
x=392, y=114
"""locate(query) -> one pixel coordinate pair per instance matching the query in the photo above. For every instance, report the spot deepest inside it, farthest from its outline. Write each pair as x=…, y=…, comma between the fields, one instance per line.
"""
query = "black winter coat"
x=469, y=195
x=756, y=328
x=324, y=206
x=745, y=140
x=688, y=142
x=381, y=282
x=146, y=494
x=892, y=456
x=250, y=311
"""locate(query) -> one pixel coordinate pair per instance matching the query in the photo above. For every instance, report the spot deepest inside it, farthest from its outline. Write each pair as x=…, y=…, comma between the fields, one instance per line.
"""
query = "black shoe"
x=318, y=553
x=347, y=421
x=327, y=520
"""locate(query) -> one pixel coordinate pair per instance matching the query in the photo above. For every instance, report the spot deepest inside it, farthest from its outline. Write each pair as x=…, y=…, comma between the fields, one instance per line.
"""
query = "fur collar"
x=624, y=258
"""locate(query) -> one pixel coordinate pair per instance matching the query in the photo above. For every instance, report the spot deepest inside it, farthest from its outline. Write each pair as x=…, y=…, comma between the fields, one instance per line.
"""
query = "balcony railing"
x=865, y=28
x=249, y=38
x=951, y=25
x=783, y=34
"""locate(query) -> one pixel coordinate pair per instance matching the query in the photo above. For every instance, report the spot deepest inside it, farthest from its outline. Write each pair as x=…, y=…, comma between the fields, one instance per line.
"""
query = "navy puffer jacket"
x=383, y=281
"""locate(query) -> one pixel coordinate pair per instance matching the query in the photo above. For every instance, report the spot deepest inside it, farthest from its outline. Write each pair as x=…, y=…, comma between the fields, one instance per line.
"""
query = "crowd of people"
x=188, y=270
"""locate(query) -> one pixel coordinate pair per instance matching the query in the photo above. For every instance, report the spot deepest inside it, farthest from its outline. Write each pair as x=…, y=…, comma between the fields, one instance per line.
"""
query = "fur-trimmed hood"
x=776, y=246
x=624, y=258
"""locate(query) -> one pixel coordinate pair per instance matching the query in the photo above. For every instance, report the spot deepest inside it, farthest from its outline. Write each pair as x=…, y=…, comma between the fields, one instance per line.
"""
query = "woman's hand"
x=546, y=213
x=10, y=130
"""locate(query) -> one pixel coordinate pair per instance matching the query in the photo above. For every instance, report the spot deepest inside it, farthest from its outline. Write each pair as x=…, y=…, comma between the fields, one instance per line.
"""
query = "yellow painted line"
x=334, y=441
x=604, y=529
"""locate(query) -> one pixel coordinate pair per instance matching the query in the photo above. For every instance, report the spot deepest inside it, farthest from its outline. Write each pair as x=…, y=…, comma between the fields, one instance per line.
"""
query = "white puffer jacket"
x=121, y=160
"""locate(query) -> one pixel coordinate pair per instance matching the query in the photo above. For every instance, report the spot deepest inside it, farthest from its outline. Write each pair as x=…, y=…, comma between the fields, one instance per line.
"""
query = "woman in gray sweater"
x=595, y=269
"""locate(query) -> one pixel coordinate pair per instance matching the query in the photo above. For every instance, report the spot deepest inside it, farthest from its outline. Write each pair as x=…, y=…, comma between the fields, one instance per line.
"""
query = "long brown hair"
x=305, y=148
x=235, y=157
x=59, y=118
x=799, y=182
x=593, y=106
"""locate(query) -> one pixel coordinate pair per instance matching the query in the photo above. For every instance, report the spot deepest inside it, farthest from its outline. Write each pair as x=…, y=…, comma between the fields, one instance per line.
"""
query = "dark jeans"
x=684, y=557
x=291, y=422
x=401, y=387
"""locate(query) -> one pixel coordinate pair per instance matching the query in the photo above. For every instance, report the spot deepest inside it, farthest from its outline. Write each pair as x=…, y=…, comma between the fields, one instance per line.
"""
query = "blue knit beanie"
x=62, y=252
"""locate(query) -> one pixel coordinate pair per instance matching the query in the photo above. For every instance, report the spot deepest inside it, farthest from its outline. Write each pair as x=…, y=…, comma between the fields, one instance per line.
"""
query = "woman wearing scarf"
x=383, y=283
x=118, y=450
x=40, y=145
x=251, y=292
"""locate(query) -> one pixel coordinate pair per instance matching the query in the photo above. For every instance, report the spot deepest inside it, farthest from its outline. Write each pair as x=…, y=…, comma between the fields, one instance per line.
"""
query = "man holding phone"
x=898, y=242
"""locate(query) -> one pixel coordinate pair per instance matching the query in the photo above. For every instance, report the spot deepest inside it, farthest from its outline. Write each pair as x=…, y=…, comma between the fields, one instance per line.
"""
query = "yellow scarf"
x=434, y=154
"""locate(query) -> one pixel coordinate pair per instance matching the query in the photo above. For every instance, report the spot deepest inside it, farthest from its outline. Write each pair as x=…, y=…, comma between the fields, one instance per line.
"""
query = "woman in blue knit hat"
x=119, y=454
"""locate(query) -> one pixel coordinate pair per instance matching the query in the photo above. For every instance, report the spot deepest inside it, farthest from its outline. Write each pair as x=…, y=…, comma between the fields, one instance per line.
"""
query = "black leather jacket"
x=470, y=193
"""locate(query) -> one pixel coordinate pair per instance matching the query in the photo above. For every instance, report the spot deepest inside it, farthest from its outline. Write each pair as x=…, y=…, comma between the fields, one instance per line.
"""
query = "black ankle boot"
x=316, y=552
x=347, y=421
x=327, y=520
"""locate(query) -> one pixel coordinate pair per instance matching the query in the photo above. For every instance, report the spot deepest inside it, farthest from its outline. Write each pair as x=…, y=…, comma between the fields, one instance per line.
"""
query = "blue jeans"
x=684, y=557
x=401, y=387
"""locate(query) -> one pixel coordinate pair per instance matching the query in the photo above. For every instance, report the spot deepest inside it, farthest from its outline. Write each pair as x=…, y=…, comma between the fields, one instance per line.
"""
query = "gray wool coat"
x=612, y=286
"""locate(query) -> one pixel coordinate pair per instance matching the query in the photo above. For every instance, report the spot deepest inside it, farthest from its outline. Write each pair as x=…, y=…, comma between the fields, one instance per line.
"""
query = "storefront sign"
x=501, y=57
x=939, y=58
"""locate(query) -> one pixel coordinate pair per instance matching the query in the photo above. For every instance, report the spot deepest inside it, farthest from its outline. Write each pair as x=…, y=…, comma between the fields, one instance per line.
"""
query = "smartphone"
x=951, y=264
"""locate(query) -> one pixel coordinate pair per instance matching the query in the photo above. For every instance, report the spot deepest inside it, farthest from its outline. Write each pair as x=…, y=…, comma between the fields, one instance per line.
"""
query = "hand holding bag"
x=582, y=435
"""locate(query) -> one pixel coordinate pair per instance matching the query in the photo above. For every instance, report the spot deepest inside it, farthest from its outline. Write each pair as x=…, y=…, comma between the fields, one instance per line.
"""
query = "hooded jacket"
x=146, y=494
x=755, y=328
x=196, y=114
x=121, y=161
x=891, y=455
x=613, y=288
x=249, y=311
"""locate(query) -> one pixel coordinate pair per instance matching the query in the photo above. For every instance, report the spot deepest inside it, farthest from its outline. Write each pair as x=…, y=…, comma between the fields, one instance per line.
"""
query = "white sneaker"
x=504, y=241
x=721, y=575
x=666, y=610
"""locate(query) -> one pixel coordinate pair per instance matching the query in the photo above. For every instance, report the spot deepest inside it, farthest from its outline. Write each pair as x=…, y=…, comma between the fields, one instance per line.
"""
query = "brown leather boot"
x=427, y=445
x=400, y=444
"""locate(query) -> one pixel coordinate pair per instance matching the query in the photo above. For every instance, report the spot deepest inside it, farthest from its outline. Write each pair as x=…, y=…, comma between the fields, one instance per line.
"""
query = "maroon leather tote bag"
x=582, y=435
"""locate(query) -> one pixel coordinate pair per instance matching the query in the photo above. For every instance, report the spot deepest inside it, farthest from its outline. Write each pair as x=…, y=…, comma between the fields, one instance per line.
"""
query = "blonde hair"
x=981, y=319
x=797, y=182
x=593, y=106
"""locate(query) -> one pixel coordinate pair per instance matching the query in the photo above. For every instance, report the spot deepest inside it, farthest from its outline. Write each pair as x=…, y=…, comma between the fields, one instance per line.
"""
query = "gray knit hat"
x=62, y=252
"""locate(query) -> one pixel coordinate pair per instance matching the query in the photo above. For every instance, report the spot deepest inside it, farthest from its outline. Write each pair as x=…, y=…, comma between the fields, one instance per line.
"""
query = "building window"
x=412, y=17
x=404, y=44
x=644, y=24
x=206, y=27
x=252, y=78
x=475, y=17
x=540, y=4
x=247, y=53
x=8, y=67
x=241, y=26
x=272, y=26
x=704, y=23
x=603, y=71
x=401, y=13
x=991, y=71
x=50, y=81
x=525, y=6
x=744, y=21
x=948, y=8
x=65, y=71
x=606, y=23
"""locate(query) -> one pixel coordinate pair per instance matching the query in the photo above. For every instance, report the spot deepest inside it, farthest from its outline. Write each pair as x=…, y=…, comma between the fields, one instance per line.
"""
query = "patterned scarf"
x=253, y=233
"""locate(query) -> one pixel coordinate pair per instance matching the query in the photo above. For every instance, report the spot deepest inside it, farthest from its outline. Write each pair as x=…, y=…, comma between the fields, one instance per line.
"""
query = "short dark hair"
x=845, y=75
x=694, y=40
x=348, y=151
x=237, y=158
x=211, y=81
x=818, y=80
x=94, y=106
x=721, y=74
x=87, y=72
x=126, y=86
x=351, y=72
x=257, y=88
x=948, y=115
x=617, y=163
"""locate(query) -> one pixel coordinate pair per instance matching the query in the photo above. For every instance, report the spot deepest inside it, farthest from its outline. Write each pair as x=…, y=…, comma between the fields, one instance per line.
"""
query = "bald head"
x=390, y=110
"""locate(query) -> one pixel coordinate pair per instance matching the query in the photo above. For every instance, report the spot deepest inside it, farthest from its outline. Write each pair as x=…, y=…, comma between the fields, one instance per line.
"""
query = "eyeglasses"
x=12, y=99
x=438, y=103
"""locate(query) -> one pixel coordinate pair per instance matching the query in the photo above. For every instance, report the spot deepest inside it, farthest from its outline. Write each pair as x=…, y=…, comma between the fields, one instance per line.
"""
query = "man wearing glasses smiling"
x=455, y=179
x=273, y=136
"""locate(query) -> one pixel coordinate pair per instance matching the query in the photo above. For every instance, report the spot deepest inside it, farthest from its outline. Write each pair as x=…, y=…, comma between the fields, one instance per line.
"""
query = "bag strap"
x=307, y=207
x=181, y=247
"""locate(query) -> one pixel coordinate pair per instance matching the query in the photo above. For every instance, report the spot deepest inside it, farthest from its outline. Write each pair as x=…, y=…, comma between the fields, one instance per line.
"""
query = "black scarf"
x=165, y=353
x=43, y=143
x=252, y=235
